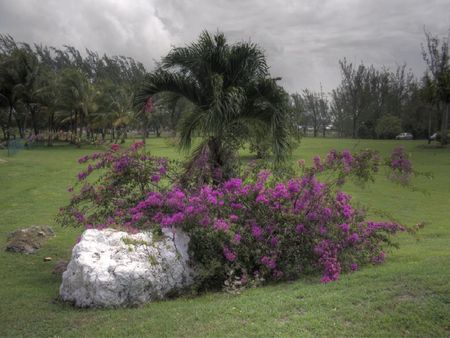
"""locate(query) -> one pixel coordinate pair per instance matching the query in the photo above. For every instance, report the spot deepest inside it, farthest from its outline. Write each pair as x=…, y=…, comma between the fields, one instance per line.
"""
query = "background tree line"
x=381, y=103
x=63, y=94
x=49, y=91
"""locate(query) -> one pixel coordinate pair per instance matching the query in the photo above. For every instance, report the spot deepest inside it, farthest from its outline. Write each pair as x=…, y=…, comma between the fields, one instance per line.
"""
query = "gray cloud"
x=303, y=39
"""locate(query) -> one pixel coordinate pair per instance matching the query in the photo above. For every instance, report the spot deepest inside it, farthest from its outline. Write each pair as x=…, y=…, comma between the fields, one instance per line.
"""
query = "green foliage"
x=366, y=94
x=55, y=90
x=437, y=57
x=231, y=92
x=388, y=126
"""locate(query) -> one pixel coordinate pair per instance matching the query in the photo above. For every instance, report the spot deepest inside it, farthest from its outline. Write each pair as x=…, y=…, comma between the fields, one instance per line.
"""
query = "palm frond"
x=164, y=81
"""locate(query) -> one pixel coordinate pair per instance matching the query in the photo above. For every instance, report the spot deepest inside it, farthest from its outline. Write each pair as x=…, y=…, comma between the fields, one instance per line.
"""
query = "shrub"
x=120, y=179
x=256, y=227
x=388, y=126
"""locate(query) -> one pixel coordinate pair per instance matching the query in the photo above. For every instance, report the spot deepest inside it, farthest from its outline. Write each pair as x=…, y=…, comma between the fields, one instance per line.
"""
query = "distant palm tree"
x=75, y=99
x=232, y=97
x=16, y=75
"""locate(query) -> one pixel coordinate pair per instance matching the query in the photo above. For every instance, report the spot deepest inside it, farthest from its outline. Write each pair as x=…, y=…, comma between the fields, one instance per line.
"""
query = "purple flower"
x=347, y=211
x=115, y=147
x=229, y=254
x=300, y=228
x=354, y=267
x=379, y=259
x=317, y=165
x=293, y=186
x=233, y=184
x=82, y=175
x=236, y=239
x=347, y=157
x=153, y=200
x=268, y=262
x=327, y=212
x=83, y=159
x=354, y=238
x=155, y=178
x=256, y=231
x=170, y=220
x=221, y=224
x=274, y=241
x=137, y=216
x=237, y=205
x=79, y=217
x=136, y=145
x=345, y=227
x=280, y=191
x=205, y=221
x=331, y=157
x=233, y=217
x=263, y=175
x=262, y=199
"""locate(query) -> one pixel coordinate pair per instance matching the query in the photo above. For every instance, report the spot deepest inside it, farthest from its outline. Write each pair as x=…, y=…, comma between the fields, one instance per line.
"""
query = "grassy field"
x=407, y=296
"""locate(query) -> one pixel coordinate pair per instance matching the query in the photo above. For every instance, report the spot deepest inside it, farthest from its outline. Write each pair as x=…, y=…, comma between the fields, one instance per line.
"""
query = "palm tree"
x=114, y=109
x=11, y=83
x=231, y=93
x=76, y=99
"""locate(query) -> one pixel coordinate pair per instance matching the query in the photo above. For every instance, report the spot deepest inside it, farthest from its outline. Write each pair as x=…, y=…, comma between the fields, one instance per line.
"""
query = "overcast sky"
x=303, y=39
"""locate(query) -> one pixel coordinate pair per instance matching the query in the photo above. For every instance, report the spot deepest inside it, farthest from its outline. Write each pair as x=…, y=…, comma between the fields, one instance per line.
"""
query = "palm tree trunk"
x=34, y=119
x=4, y=132
x=19, y=124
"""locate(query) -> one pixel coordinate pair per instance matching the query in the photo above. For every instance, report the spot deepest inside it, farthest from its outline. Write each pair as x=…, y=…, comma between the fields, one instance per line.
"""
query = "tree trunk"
x=429, y=126
x=444, y=126
x=74, y=128
x=8, y=125
x=34, y=119
x=50, y=130
x=144, y=134
x=4, y=132
x=20, y=128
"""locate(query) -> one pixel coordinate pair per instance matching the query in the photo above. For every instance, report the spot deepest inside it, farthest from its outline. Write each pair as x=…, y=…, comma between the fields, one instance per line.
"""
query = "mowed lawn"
x=407, y=296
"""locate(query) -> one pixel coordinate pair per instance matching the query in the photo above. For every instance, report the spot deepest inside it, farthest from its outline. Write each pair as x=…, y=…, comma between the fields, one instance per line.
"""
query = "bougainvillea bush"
x=254, y=227
x=112, y=182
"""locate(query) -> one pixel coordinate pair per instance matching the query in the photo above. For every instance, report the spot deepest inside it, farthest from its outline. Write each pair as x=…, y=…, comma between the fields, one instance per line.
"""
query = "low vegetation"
x=407, y=296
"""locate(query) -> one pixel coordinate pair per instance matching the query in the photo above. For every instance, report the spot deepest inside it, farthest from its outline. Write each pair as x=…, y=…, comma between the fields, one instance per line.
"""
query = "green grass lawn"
x=407, y=296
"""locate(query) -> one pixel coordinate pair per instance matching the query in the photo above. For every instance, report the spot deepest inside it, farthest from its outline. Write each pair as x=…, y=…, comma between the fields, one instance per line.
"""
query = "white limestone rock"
x=111, y=268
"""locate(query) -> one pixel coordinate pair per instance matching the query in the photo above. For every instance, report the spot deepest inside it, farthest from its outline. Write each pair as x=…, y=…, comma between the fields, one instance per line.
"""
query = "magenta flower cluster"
x=400, y=165
x=253, y=226
x=125, y=175
x=269, y=221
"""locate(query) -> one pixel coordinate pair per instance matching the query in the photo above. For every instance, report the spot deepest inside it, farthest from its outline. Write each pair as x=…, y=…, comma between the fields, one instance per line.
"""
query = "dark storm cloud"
x=303, y=39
